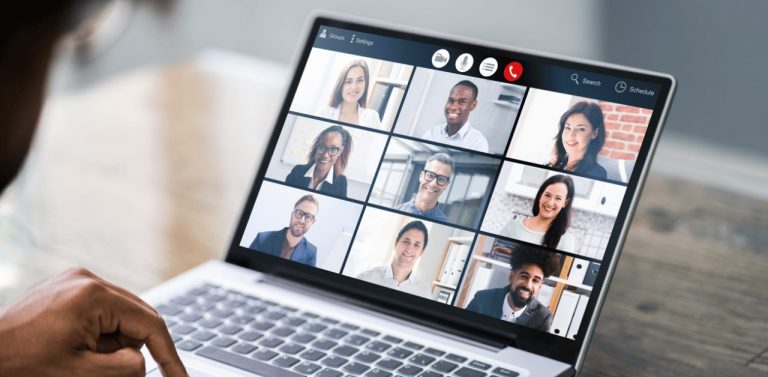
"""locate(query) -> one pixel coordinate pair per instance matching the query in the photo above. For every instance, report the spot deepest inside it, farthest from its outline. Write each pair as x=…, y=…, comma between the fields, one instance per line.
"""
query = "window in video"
x=301, y=226
x=555, y=210
x=527, y=285
x=460, y=111
x=351, y=89
x=592, y=138
x=333, y=159
x=434, y=182
x=407, y=254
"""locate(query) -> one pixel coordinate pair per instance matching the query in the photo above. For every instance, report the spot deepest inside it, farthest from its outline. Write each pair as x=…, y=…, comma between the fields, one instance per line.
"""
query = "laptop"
x=427, y=206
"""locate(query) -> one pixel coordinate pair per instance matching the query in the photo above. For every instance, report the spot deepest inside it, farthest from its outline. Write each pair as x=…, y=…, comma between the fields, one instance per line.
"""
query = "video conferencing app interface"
x=479, y=181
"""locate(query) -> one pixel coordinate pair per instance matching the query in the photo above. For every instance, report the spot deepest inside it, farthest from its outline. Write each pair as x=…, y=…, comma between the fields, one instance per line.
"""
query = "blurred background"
x=709, y=46
x=159, y=110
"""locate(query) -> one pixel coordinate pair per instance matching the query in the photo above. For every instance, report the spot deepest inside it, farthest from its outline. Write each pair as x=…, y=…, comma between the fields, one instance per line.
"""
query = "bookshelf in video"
x=476, y=193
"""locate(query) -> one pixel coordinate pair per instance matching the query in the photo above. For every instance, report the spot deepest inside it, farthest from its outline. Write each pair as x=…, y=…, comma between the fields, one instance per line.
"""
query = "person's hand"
x=77, y=324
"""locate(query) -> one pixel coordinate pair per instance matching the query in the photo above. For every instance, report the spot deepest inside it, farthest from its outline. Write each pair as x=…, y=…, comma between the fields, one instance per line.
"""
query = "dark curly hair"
x=523, y=254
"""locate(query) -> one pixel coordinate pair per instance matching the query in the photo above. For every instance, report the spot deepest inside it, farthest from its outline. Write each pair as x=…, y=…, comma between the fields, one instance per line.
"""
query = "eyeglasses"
x=332, y=151
x=442, y=180
x=299, y=214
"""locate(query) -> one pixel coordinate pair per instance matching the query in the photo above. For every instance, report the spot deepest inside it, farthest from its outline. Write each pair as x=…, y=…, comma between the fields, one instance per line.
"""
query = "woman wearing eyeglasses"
x=326, y=162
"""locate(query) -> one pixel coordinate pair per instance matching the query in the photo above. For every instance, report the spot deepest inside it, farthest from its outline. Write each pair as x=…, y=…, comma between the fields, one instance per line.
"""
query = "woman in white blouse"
x=551, y=216
x=349, y=99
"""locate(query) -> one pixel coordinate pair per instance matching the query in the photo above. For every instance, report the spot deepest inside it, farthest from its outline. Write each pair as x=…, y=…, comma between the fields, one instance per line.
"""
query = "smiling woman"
x=326, y=162
x=551, y=216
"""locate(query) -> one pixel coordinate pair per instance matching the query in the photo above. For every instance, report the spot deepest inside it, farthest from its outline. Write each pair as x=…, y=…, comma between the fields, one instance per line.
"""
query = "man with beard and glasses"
x=516, y=302
x=289, y=243
x=456, y=130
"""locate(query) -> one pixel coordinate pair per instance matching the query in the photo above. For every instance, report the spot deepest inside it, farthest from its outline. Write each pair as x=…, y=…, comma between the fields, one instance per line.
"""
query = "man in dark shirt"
x=517, y=301
x=290, y=243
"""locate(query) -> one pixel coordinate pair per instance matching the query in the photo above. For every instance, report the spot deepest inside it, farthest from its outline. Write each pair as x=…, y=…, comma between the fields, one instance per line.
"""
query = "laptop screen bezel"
x=433, y=314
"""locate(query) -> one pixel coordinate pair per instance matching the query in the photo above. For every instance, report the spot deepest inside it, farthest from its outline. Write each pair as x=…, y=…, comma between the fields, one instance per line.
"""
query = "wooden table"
x=143, y=176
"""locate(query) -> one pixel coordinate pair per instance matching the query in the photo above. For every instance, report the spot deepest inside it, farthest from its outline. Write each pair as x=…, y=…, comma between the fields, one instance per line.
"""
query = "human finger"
x=145, y=325
x=125, y=362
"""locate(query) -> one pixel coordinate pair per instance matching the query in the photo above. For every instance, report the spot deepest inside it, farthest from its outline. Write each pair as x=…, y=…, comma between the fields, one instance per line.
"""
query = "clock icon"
x=620, y=87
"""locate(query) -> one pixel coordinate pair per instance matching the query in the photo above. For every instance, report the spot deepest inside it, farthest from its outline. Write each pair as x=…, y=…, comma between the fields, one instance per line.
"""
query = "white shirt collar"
x=463, y=131
x=328, y=177
x=390, y=274
x=507, y=313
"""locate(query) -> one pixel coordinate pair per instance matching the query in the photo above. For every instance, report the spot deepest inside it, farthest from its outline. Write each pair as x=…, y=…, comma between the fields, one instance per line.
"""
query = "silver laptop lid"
x=479, y=189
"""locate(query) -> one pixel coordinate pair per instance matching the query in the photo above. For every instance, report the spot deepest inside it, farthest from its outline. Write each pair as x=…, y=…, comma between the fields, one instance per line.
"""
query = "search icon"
x=575, y=78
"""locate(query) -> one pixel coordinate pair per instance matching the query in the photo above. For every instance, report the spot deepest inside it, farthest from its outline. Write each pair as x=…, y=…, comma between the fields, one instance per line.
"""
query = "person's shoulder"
x=325, y=111
x=597, y=171
x=309, y=245
x=299, y=169
x=376, y=271
x=491, y=293
x=370, y=118
x=340, y=179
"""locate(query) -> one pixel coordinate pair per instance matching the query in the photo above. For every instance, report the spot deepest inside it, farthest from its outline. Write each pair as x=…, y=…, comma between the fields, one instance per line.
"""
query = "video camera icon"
x=440, y=58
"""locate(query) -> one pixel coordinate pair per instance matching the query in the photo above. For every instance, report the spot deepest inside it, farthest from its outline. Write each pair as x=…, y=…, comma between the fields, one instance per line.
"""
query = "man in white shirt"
x=408, y=247
x=457, y=130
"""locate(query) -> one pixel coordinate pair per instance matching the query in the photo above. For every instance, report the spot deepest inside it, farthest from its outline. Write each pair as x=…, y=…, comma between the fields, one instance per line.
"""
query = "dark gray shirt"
x=432, y=213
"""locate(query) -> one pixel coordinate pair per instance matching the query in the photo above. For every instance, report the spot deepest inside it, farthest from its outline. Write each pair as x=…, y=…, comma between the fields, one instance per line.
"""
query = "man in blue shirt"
x=433, y=180
x=289, y=243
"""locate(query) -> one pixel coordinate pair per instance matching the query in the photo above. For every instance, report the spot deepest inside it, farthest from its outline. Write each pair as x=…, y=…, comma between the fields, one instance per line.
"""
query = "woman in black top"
x=326, y=162
x=579, y=140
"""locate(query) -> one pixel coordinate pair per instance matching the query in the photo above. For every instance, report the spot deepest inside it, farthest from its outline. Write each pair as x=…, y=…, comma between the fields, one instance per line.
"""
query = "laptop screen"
x=487, y=187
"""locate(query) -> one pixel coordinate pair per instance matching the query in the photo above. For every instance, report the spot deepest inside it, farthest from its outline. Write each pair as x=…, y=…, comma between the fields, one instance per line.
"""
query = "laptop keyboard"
x=265, y=337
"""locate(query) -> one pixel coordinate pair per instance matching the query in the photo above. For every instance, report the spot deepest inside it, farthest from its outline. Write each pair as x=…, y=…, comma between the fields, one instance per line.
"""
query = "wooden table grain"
x=144, y=175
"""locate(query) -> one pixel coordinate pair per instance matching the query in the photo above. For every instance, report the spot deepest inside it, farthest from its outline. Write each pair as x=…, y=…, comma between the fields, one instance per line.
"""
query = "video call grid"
x=476, y=230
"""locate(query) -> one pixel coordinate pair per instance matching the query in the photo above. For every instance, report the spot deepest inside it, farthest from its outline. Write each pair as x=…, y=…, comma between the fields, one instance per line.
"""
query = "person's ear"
x=473, y=105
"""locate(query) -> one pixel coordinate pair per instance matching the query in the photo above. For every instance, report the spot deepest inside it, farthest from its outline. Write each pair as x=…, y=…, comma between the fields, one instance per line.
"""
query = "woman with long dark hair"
x=326, y=161
x=349, y=100
x=551, y=216
x=579, y=140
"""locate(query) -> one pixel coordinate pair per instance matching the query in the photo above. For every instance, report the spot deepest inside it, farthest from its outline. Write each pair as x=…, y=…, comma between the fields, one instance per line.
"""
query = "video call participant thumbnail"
x=551, y=216
x=349, y=99
x=326, y=161
x=457, y=130
x=433, y=180
x=517, y=302
x=408, y=248
x=290, y=243
x=580, y=137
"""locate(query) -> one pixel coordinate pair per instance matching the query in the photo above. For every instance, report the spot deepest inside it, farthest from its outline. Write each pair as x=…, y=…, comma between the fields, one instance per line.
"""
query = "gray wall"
x=272, y=29
x=718, y=52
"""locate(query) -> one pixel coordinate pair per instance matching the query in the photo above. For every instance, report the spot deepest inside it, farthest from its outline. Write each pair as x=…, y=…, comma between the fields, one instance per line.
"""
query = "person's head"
x=352, y=84
x=581, y=133
x=528, y=268
x=435, y=177
x=28, y=35
x=553, y=203
x=462, y=99
x=331, y=148
x=409, y=244
x=304, y=215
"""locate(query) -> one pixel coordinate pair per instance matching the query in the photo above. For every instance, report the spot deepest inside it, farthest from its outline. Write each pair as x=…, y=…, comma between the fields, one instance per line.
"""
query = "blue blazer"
x=272, y=243
x=296, y=178
x=490, y=301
